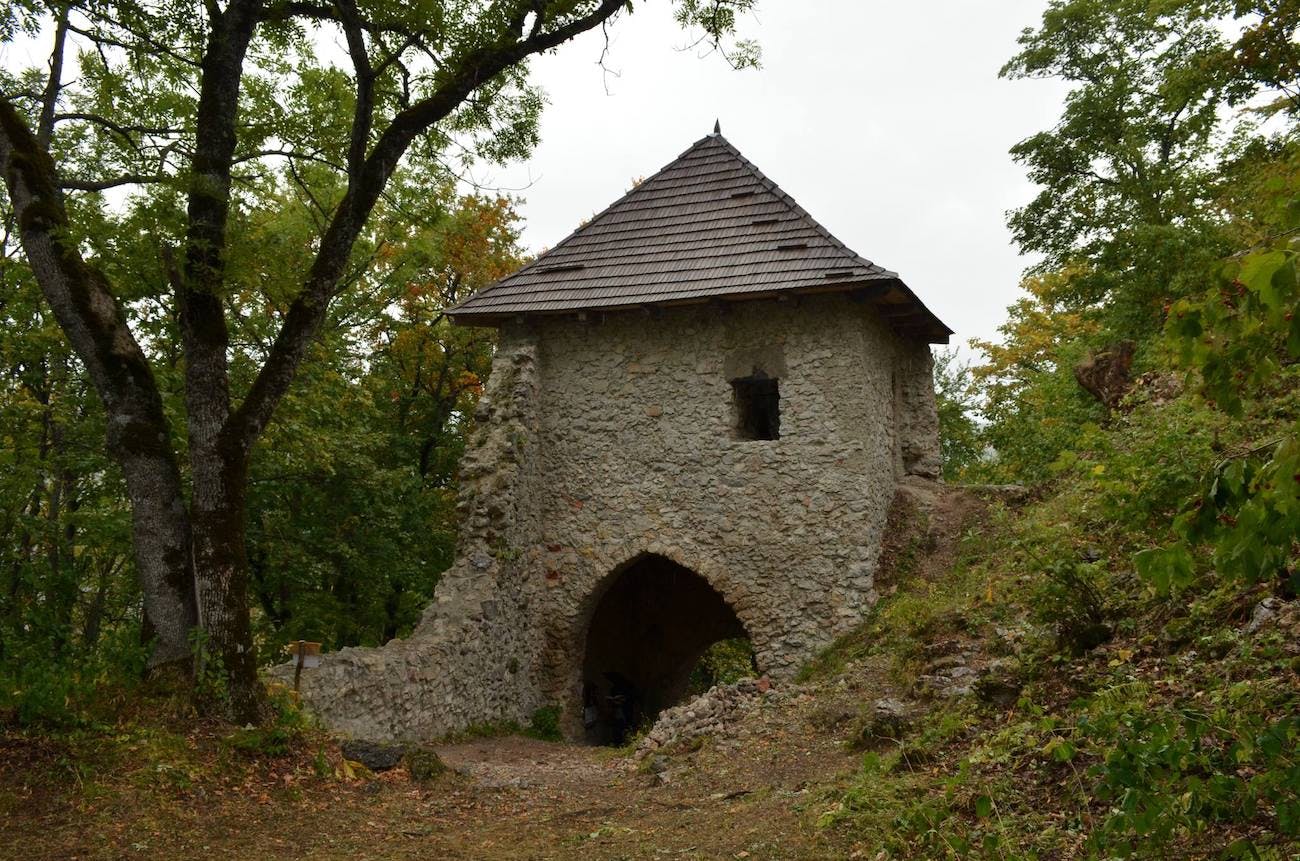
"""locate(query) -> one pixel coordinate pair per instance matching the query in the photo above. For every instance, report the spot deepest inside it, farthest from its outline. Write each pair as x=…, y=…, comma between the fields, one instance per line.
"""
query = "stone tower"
x=698, y=412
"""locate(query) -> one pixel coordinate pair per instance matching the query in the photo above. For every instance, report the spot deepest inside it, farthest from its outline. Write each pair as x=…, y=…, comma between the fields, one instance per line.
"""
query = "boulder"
x=374, y=755
x=887, y=720
x=1264, y=613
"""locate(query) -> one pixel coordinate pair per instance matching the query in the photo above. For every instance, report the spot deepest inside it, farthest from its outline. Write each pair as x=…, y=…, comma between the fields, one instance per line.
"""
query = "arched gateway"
x=650, y=623
x=699, y=408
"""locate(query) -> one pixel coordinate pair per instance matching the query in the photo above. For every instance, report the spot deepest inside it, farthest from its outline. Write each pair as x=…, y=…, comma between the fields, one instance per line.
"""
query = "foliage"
x=277, y=737
x=1239, y=341
x=960, y=440
x=1126, y=174
x=43, y=691
x=1150, y=724
x=1033, y=407
x=545, y=724
x=723, y=663
x=351, y=506
x=1191, y=767
x=1177, y=736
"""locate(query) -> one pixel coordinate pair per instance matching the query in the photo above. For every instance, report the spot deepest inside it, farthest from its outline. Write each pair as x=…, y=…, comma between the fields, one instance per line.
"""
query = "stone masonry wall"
x=604, y=440
x=473, y=655
x=918, y=420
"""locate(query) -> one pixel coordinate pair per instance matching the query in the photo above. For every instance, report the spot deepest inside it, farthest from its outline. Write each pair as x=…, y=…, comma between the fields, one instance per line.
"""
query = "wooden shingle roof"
x=708, y=227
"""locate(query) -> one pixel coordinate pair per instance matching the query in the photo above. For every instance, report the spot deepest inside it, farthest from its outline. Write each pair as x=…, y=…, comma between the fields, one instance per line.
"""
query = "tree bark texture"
x=218, y=458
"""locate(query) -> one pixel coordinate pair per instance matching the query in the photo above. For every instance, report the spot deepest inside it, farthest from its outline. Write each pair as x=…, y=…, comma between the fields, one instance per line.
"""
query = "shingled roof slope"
x=709, y=226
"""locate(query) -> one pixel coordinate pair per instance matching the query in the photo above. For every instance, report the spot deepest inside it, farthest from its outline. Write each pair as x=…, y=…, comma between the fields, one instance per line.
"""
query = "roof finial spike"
x=717, y=127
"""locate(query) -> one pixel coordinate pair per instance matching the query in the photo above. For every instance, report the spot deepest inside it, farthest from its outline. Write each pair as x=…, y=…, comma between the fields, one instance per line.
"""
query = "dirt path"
x=753, y=795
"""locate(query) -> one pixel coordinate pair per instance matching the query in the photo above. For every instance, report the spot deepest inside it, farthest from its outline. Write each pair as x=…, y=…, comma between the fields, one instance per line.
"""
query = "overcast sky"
x=886, y=121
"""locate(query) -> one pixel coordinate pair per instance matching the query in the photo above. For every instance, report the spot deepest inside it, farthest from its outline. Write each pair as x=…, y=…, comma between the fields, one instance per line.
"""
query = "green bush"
x=75, y=690
x=280, y=735
x=545, y=724
x=1070, y=600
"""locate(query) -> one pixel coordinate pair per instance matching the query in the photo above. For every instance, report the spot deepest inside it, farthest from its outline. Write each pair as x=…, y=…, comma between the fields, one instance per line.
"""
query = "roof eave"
x=927, y=325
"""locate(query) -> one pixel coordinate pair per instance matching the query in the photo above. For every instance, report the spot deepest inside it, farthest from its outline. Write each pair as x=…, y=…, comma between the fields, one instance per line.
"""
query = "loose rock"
x=714, y=712
x=887, y=720
x=374, y=755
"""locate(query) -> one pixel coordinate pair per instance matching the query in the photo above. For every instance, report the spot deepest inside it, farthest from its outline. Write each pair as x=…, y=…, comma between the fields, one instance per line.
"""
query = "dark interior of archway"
x=646, y=636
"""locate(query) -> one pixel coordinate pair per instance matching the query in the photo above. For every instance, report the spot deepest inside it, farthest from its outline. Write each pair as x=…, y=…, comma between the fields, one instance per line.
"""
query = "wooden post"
x=306, y=654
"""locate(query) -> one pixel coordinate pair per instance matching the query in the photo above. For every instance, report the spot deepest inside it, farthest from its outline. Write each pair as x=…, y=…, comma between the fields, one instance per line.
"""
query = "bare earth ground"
x=755, y=795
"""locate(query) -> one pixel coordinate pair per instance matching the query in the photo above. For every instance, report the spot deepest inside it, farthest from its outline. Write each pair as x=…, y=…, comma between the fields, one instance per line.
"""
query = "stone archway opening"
x=646, y=636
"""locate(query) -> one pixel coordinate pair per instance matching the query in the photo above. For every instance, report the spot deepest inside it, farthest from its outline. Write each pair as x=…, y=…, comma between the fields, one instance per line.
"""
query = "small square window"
x=758, y=407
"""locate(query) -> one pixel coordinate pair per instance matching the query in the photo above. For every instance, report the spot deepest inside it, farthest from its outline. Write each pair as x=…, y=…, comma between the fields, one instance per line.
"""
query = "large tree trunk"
x=218, y=453
x=160, y=538
x=139, y=438
x=221, y=565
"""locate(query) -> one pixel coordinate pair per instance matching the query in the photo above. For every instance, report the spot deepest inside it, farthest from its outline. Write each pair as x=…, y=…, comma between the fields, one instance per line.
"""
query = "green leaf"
x=1165, y=568
x=1258, y=269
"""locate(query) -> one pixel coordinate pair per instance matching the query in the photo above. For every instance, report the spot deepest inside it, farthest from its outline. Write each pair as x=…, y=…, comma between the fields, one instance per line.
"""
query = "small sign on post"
x=306, y=656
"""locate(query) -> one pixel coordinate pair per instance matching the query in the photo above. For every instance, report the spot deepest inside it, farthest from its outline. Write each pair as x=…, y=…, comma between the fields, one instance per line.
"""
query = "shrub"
x=280, y=735
x=1070, y=599
x=545, y=724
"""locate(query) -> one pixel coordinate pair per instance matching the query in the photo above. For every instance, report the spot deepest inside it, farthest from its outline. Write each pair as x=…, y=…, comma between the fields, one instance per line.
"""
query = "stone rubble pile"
x=713, y=712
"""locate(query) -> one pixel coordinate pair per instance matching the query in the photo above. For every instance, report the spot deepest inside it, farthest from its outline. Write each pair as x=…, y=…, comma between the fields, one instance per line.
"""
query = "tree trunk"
x=94, y=619
x=160, y=537
x=218, y=455
x=139, y=438
x=218, y=511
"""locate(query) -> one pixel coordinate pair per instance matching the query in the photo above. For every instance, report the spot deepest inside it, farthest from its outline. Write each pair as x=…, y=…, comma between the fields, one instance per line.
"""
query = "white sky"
x=890, y=127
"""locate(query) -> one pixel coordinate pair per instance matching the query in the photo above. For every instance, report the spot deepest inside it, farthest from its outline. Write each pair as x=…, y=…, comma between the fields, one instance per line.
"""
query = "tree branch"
x=45, y=126
x=364, y=109
x=308, y=310
x=205, y=335
x=79, y=294
x=72, y=184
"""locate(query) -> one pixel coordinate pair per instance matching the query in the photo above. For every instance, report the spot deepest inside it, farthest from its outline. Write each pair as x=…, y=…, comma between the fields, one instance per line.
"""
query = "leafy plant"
x=1240, y=341
x=545, y=724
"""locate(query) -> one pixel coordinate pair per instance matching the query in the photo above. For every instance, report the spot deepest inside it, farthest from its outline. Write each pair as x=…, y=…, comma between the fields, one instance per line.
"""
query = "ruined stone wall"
x=472, y=658
x=918, y=420
x=601, y=441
